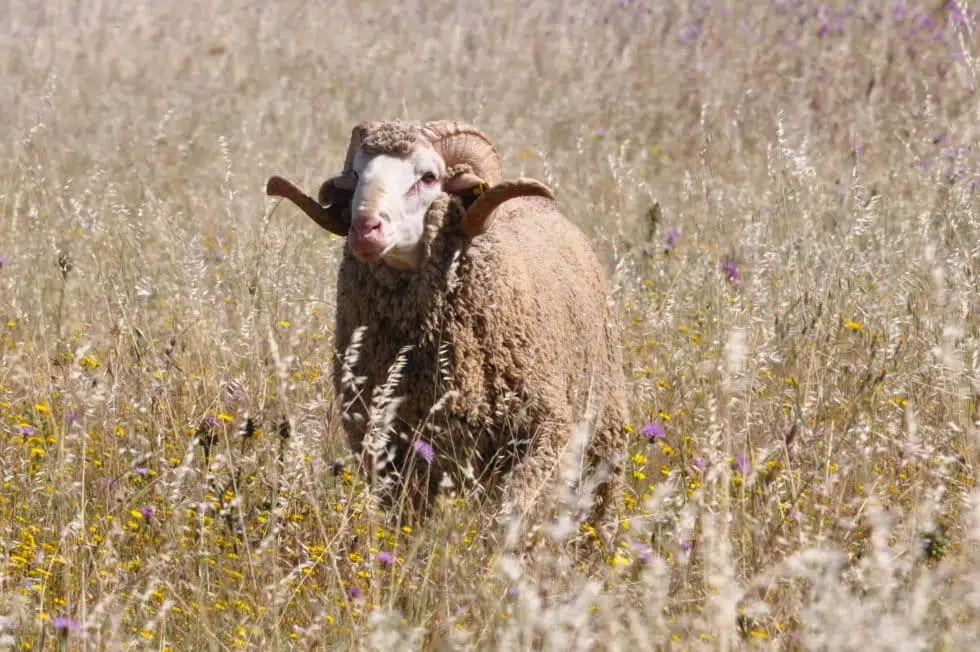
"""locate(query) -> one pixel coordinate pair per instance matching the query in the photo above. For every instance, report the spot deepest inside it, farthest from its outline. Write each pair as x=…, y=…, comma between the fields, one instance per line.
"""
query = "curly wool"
x=495, y=327
x=393, y=137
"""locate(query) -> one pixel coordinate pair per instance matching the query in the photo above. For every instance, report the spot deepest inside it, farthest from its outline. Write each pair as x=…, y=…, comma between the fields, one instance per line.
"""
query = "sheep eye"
x=429, y=177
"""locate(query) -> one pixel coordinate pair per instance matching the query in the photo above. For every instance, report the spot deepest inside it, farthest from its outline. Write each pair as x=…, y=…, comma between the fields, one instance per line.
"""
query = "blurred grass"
x=800, y=318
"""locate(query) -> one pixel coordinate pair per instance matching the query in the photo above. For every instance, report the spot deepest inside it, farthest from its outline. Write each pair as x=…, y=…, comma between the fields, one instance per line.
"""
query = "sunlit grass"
x=785, y=196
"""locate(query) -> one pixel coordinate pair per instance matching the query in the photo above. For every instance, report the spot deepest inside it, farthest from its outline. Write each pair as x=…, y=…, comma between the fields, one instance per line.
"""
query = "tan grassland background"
x=801, y=317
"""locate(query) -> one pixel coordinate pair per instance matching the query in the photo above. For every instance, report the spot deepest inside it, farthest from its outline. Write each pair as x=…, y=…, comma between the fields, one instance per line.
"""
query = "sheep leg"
x=533, y=473
x=606, y=458
x=604, y=516
x=602, y=473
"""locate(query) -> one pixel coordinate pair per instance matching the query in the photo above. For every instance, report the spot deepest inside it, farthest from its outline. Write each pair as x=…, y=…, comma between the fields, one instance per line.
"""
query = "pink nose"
x=366, y=236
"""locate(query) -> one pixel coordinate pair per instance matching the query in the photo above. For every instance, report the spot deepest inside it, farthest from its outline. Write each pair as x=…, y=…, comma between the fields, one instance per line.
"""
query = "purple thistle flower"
x=3, y=261
x=643, y=552
x=653, y=431
x=386, y=558
x=141, y=470
x=424, y=449
x=147, y=512
x=743, y=464
x=672, y=236
x=64, y=624
x=730, y=268
x=356, y=593
x=690, y=33
x=699, y=463
x=72, y=416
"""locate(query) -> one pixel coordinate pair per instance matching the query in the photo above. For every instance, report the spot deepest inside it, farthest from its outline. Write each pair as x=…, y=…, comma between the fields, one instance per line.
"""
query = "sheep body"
x=511, y=328
x=471, y=315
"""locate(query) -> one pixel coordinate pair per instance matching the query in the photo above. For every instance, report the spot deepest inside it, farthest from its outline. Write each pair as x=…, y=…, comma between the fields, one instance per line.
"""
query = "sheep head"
x=393, y=172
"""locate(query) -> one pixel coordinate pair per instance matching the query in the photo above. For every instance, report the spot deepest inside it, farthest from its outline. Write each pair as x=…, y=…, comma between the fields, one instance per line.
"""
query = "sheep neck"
x=411, y=301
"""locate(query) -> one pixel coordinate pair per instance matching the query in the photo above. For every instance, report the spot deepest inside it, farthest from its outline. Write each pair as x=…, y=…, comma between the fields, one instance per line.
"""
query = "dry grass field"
x=800, y=320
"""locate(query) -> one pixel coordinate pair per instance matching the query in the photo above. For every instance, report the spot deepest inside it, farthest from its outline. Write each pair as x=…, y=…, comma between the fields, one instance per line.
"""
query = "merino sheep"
x=478, y=317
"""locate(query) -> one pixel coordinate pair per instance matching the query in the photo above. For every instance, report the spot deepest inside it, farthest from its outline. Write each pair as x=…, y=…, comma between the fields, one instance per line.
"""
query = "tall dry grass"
x=800, y=319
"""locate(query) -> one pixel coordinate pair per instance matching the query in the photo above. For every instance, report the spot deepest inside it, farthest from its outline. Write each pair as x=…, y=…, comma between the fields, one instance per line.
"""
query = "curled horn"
x=332, y=212
x=460, y=143
x=328, y=217
x=479, y=216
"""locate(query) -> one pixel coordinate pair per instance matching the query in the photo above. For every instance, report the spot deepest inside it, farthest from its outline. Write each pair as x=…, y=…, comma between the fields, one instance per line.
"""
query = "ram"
x=471, y=315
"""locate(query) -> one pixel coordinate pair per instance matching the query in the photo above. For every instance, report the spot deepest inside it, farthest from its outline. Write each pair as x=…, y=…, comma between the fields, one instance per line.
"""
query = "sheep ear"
x=479, y=215
x=332, y=217
x=465, y=183
x=335, y=194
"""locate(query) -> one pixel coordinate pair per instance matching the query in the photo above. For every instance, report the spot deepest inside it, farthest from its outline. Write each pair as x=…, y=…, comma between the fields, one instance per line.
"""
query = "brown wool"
x=396, y=138
x=522, y=346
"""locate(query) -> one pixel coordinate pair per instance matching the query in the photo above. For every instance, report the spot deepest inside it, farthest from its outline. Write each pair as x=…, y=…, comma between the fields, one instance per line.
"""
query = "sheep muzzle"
x=366, y=237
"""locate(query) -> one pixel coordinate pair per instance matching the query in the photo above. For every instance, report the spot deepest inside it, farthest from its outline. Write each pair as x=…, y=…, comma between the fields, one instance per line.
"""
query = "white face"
x=389, y=205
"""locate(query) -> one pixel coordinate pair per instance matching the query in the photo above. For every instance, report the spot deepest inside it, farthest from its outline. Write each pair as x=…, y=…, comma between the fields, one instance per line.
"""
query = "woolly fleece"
x=397, y=138
x=525, y=333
